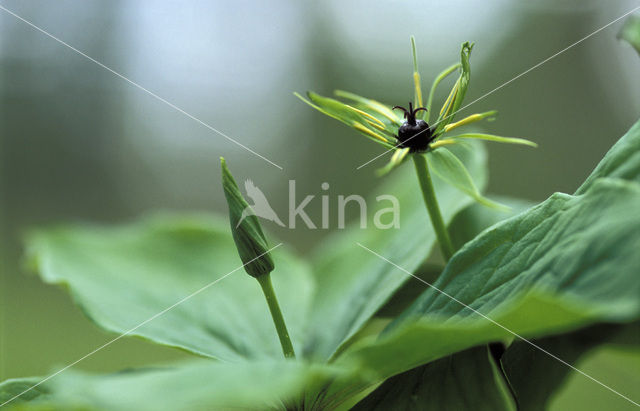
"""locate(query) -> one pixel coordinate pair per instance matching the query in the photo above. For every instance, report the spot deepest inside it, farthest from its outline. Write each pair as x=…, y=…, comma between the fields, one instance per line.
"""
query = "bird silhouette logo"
x=260, y=207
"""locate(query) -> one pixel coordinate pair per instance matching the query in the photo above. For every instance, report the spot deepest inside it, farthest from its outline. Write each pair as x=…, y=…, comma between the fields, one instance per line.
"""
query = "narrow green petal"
x=316, y=107
x=371, y=134
x=350, y=116
x=450, y=109
x=372, y=105
x=498, y=139
x=435, y=84
x=370, y=119
x=465, y=54
x=337, y=109
x=414, y=53
x=449, y=168
x=417, y=95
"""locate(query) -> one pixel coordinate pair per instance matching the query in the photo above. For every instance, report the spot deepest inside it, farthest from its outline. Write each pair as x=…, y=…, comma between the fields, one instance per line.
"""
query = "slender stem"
x=430, y=200
x=276, y=314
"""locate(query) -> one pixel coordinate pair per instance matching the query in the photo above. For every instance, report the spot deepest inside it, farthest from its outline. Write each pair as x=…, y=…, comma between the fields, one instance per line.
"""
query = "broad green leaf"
x=568, y=245
x=431, y=337
x=567, y=263
x=535, y=376
x=199, y=385
x=410, y=290
x=468, y=223
x=621, y=161
x=449, y=168
x=617, y=367
x=352, y=286
x=468, y=380
x=464, y=227
x=121, y=276
x=11, y=389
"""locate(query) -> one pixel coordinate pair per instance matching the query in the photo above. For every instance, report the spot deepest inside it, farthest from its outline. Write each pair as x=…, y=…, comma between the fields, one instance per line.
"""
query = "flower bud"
x=250, y=240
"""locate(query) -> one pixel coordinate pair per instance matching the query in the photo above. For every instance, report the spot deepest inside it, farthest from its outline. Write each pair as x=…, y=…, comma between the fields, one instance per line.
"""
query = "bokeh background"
x=78, y=143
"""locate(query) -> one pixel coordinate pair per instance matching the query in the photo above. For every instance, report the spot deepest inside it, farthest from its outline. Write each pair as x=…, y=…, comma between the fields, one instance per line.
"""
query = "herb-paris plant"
x=425, y=144
x=548, y=272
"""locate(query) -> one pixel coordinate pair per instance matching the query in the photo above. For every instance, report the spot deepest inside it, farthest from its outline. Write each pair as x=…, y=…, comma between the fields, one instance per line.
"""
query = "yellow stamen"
x=498, y=139
x=372, y=104
x=369, y=132
x=376, y=125
x=368, y=116
x=434, y=85
x=443, y=142
x=399, y=155
x=468, y=120
x=449, y=101
x=383, y=110
x=416, y=82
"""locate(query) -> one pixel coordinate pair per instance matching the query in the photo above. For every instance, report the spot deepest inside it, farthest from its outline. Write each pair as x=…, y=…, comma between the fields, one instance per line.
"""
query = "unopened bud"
x=250, y=240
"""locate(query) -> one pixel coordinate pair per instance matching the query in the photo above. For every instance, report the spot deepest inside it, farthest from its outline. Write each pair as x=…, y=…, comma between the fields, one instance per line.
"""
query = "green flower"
x=380, y=123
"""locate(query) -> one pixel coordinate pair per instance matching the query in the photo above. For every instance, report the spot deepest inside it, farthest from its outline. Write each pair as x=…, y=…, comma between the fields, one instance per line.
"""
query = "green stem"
x=430, y=200
x=276, y=314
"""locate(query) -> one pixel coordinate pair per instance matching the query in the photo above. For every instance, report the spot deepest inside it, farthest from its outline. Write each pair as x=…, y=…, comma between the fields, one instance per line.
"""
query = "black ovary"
x=415, y=136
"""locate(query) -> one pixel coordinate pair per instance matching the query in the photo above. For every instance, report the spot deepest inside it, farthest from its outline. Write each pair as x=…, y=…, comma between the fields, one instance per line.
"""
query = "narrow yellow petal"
x=369, y=132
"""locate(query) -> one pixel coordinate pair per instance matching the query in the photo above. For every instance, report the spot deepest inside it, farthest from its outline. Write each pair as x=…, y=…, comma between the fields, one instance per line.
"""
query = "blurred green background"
x=79, y=143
